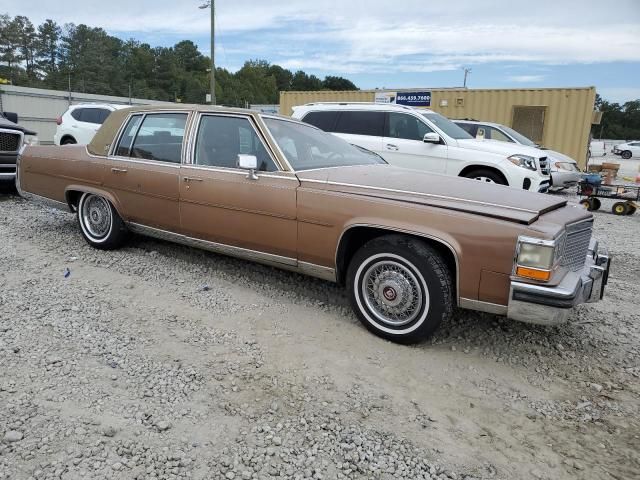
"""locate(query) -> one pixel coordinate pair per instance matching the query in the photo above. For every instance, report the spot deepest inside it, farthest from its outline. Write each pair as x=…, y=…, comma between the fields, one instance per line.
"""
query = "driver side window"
x=408, y=127
x=221, y=139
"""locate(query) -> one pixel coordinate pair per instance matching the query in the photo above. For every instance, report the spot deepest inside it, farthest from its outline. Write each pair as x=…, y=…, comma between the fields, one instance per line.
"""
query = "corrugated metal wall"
x=568, y=111
x=38, y=108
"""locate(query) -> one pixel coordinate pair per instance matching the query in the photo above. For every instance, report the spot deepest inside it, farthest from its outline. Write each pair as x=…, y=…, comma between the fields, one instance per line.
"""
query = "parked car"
x=12, y=137
x=81, y=122
x=425, y=140
x=627, y=150
x=409, y=245
x=565, y=171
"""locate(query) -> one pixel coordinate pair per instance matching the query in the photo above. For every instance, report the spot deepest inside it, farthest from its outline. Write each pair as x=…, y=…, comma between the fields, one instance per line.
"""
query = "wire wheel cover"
x=392, y=293
x=96, y=216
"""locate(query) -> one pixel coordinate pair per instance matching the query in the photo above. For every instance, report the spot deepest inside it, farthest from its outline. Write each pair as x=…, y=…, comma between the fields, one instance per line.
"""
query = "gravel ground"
x=160, y=361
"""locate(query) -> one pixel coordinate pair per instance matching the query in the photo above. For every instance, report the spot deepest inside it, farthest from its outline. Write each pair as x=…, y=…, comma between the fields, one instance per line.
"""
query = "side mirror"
x=432, y=137
x=11, y=116
x=248, y=162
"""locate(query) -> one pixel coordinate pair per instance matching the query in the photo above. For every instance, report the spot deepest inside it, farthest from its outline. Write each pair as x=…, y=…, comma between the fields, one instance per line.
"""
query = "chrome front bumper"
x=552, y=305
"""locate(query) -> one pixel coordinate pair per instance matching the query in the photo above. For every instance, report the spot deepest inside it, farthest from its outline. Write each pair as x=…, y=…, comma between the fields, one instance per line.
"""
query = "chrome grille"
x=577, y=244
x=9, y=142
x=544, y=165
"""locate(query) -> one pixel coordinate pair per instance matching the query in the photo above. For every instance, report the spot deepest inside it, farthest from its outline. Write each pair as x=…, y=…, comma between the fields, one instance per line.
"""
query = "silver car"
x=565, y=172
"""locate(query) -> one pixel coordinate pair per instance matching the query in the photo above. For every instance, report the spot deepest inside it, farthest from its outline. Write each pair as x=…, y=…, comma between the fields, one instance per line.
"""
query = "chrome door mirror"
x=431, y=137
x=248, y=162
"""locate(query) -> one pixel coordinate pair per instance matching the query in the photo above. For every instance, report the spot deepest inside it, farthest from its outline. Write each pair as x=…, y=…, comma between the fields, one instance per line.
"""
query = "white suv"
x=425, y=140
x=81, y=122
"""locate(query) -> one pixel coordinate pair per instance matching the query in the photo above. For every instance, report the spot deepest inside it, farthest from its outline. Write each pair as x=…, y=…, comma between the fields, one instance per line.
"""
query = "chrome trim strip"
x=239, y=171
x=213, y=246
x=7, y=175
x=318, y=271
x=480, y=306
x=408, y=232
x=158, y=163
x=286, y=263
x=430, y=195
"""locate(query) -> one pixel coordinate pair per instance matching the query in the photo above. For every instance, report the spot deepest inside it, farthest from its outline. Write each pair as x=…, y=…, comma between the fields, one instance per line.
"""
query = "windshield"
x=447, y=126
x=521, y=139
x=307, y=147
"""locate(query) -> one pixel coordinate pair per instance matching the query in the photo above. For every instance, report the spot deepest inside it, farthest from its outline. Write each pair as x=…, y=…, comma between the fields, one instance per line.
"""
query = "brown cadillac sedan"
x=408, y=245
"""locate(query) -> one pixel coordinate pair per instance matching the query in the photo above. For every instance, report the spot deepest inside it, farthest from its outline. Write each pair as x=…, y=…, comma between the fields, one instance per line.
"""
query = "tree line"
x=88, y=59
x=620, y=122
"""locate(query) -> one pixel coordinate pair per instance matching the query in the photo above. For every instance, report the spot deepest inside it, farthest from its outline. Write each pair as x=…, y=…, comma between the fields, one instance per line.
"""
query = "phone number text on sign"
x=414, y=99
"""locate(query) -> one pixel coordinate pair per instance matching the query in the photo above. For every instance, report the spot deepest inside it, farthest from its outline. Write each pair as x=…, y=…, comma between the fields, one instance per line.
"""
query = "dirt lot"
x=158, y=361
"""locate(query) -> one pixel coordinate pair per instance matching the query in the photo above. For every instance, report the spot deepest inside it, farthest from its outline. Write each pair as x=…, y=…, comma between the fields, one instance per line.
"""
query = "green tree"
x=46, y=51
x=338, y=83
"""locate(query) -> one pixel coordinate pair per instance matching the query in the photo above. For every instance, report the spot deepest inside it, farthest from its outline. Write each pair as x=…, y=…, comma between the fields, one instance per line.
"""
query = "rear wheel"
x=400, y=288
x=100, y=224
x=68, y=141
x=620, y=208
x=626, y=154
x=632, y=210
x=487, y=176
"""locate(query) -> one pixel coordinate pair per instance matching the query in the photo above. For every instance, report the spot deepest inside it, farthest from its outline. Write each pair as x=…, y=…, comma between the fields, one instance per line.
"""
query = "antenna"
x=467, y=72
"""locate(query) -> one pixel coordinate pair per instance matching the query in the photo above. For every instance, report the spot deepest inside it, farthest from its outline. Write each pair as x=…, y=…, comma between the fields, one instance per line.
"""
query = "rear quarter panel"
x=49, y=170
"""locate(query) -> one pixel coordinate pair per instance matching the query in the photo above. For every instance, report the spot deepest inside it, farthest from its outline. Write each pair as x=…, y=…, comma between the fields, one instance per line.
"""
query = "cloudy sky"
x=400, y=43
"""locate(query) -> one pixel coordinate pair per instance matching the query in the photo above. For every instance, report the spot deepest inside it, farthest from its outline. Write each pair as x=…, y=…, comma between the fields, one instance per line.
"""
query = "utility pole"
x=212, y=5
x=467, y=71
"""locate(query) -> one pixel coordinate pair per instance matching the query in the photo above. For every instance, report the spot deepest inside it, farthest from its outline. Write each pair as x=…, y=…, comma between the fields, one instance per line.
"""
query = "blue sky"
x=405, y=43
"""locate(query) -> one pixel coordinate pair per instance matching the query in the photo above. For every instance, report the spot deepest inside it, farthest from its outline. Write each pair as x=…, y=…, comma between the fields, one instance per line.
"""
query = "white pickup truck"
x=425, y=140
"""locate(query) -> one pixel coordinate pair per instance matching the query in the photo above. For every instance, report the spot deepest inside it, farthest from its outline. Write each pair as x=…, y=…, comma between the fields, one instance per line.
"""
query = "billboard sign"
x=414, y=99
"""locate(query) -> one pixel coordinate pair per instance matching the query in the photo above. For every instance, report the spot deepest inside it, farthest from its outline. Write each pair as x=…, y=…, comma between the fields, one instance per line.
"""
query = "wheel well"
x=67, y=137
x=470, y=168
x=355, y=237
x=73, y=198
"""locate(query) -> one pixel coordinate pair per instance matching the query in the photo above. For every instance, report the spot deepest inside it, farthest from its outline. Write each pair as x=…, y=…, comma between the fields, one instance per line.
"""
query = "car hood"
x=503, y=148
x=4, y=123
x=429, y=189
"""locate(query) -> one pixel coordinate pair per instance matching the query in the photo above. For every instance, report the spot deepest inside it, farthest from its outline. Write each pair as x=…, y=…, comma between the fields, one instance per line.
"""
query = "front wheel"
x=626, y=154
x=400, y=288
x=100, y=224
x=487, y=176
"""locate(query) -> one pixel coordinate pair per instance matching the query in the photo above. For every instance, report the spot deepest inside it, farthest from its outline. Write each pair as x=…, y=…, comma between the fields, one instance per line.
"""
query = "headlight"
x=567, y=166
x=31, y=140
x=537, y=258
x=524, y=161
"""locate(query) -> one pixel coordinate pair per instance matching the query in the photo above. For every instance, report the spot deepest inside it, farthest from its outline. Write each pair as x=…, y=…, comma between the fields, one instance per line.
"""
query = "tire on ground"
x=100, y=224
x=400, y=288
x=68, y=141
x=486, y=175
x=626, y=154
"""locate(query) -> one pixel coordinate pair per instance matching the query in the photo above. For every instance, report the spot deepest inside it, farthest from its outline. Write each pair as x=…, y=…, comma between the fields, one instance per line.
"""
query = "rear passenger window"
x=77, y=114
x=360, y=123
x=124, y=146
x=323, y=120
x=94, y=115
x=160, y=137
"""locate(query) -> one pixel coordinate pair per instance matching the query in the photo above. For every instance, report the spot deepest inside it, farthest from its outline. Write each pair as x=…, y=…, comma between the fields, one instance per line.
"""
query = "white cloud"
x=526, y=78
x=378, y=36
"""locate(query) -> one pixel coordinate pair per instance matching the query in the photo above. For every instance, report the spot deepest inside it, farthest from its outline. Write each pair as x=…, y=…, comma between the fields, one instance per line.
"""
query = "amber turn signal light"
x=534, y=273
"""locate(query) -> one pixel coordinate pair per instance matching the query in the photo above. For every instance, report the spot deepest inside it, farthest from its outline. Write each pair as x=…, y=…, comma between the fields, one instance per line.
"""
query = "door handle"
x=391, y=146
x=192, y=179
x=119, y=170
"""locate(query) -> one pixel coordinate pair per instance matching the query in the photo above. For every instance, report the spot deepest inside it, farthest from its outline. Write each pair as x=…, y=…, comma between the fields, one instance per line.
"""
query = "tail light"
x=58, y=120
